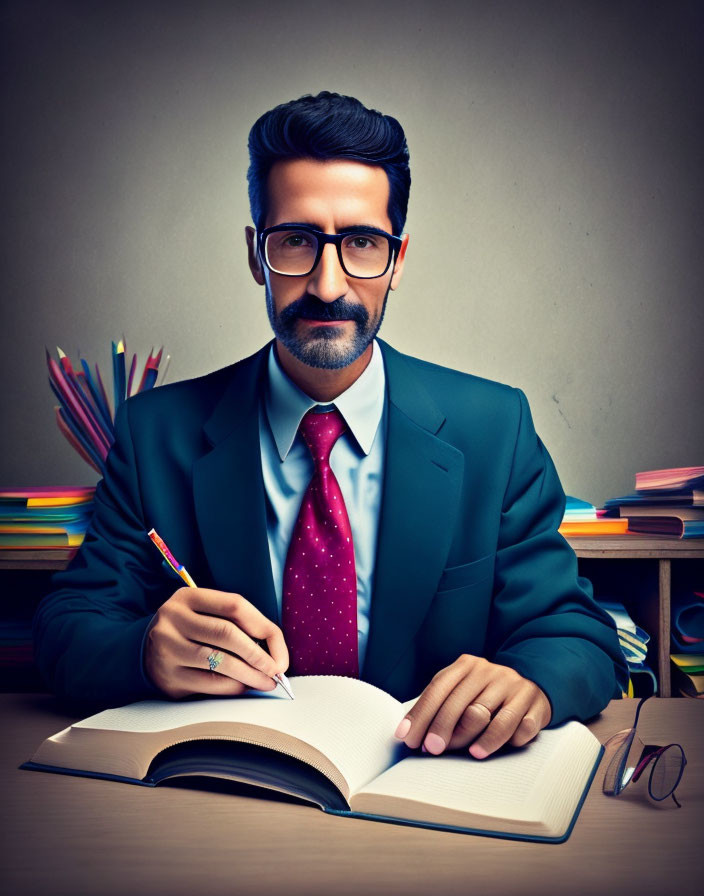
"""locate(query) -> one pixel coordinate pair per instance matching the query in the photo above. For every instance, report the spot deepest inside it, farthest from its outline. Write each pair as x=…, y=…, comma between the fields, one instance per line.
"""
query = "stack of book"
x=634, y=645
x=48, y=518
x=582, y=518
x=666, y=502
x=36, y=525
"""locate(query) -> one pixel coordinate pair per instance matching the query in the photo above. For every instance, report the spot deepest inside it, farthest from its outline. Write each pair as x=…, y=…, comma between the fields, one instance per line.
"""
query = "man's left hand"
x=475, y=702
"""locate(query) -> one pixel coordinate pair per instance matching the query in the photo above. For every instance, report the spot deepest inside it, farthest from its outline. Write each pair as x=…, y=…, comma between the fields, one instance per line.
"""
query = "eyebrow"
x=352, y=228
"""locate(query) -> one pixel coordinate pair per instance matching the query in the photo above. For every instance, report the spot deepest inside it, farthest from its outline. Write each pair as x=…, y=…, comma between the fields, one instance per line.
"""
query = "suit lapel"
x=422, y=484
x=229, y=495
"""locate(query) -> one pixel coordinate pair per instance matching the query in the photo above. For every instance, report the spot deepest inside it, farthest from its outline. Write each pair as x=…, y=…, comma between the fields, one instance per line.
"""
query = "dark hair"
x=329, y=126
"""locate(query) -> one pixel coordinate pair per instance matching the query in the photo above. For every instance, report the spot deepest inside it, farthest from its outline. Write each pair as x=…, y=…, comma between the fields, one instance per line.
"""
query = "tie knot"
x=321, y=431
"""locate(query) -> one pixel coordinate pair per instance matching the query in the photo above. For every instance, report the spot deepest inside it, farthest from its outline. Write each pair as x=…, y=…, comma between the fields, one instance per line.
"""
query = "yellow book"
x=606, y=526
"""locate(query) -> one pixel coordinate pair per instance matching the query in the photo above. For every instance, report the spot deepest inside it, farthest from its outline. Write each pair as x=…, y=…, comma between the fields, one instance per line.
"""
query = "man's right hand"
x=192, y=624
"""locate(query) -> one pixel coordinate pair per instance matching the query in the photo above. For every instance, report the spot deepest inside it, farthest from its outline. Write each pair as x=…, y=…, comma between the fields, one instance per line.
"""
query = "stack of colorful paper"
x=48, y=518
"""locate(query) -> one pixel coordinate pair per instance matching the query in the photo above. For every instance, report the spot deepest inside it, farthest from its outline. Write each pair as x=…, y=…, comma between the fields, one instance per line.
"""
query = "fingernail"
x=404, y=726
x=478, y=752
x=434, y=744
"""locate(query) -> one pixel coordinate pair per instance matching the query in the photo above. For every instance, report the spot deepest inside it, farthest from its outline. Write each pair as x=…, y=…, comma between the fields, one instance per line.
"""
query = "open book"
x=334, y=746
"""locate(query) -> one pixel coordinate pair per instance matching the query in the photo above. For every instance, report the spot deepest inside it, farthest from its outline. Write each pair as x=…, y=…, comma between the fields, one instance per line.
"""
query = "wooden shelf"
x=655, y=617
x=635, y=546
x=40, y=559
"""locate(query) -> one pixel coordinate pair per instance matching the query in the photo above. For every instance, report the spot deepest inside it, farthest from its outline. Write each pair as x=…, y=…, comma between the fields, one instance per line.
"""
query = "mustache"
x=308, y=307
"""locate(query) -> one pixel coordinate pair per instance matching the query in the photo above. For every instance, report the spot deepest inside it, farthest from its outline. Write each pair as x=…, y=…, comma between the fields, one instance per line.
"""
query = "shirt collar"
x=361, y=404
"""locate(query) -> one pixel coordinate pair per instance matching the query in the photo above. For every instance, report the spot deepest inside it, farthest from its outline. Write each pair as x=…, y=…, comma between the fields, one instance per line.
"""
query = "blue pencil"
x=97, y=397
x=103, y=392
x=122, y=378
x=70, y=421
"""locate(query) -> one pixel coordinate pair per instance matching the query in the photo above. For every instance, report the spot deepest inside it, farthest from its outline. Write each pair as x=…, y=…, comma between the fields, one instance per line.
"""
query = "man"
x=351, y=509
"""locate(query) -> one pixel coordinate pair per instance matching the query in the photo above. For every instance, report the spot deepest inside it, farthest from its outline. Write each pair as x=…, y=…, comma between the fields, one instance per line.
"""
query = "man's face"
x=326, y=319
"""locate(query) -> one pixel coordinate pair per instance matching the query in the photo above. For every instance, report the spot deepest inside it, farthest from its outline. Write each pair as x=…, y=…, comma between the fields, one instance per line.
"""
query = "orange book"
x=604, y=526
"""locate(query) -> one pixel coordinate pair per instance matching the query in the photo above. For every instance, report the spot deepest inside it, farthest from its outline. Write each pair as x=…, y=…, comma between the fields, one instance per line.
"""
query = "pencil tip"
x=60, y=353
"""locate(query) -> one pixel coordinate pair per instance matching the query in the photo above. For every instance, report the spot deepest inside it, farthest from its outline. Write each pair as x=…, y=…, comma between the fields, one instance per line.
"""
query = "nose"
x=327, y=280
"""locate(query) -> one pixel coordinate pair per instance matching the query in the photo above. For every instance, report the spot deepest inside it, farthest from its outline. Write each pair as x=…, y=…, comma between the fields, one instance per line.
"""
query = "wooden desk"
x=67, y=835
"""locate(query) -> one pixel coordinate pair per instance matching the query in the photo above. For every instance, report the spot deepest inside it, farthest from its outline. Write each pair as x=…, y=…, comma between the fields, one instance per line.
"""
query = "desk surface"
x=81, y=836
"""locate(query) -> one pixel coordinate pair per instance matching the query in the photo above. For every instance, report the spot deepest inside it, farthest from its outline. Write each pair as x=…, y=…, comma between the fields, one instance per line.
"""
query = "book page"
x=348, y=720
x=541, y=782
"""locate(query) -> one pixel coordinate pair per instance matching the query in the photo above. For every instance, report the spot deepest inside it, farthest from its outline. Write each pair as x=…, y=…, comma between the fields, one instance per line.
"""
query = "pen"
x=181, y=571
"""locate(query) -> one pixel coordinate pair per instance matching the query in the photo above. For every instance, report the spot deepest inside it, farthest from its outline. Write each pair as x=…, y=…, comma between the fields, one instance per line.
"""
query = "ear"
x=398, y=264
x=255, y=264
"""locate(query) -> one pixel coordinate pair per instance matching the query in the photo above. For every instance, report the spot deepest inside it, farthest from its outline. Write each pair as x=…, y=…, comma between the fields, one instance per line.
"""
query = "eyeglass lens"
x=666, y=770
x=632, y=759
x=294, y=252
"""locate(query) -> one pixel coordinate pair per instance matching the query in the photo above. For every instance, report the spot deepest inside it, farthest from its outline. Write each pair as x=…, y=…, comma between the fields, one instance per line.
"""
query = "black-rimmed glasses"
x=364, y=253
x=632, y=758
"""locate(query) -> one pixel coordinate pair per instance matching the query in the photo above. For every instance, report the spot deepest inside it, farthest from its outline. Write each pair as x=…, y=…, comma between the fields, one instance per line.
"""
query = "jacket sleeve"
x=88, y=632
x=545, y=623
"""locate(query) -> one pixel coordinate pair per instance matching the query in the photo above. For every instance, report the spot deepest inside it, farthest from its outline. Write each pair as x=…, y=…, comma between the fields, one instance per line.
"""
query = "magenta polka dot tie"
x=319, y=604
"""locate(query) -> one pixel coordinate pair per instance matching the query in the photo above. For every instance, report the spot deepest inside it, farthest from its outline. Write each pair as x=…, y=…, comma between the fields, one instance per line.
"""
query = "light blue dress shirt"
x=357, y=460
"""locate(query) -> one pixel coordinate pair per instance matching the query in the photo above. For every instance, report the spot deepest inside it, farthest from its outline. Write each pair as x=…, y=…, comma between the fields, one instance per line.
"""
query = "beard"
x=324, y=347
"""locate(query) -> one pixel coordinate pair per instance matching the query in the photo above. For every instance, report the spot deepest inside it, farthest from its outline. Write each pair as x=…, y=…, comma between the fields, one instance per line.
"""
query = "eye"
x=361, y=241
x=295, y=240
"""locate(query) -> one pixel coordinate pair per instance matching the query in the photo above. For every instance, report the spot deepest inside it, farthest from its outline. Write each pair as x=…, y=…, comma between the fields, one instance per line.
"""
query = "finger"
x=214, y=635
x=537, y=717
x=458, y=709
x=503, y=725
x=233, y=624
x=228, y=666
x=221, y=634
x=413, y=727
x=478, y=709
x=189, y=681
x=254, y=623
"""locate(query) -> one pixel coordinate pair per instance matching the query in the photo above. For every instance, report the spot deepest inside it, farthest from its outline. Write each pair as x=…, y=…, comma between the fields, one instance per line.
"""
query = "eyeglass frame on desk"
x=618, y=776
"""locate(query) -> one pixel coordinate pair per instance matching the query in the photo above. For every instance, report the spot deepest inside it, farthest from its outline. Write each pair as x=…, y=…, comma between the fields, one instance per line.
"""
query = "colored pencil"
x=68, y=380
x=163, y=372
x=131, y=376
x=97, y=396
x=119, y=373
x=103, y=392
x=72, y=437
x=146, y=368
x=77, y=410
x=84, y=397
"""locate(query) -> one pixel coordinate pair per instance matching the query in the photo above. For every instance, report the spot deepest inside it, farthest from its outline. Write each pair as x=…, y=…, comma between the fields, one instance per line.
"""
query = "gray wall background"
x=555, y=214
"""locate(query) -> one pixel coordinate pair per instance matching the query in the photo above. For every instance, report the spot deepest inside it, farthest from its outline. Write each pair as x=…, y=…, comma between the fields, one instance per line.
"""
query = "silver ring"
x=215, y=659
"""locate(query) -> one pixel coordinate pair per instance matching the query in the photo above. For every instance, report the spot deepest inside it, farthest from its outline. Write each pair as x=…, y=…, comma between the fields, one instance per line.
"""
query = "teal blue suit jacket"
x=469, y=559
